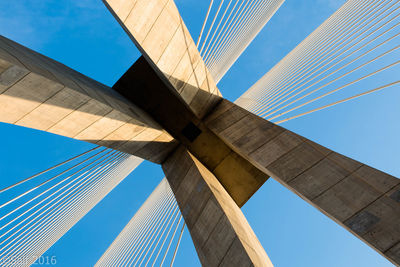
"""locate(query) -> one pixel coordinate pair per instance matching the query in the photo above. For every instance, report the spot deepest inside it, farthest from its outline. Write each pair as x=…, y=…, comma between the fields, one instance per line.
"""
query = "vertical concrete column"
x=219, y=230
x=362, y=199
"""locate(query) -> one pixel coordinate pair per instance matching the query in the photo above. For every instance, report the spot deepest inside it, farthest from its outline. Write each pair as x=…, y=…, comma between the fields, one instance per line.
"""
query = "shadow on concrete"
x=142, y=93
x=22, y=59
x=154, y=151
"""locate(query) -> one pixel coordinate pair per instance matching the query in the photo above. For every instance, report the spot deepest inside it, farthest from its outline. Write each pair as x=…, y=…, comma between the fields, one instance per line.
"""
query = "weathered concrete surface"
x=362, y=199
x=159, y=32
x=40, y=93
x=219, y=230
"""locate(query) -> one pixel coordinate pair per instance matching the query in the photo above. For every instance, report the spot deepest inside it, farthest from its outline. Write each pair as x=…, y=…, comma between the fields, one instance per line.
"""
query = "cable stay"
x=355, y=52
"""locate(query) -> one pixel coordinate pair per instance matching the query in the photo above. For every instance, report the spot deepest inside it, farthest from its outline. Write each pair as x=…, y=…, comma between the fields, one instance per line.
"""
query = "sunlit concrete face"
x=230, y=152
x=42, y=94
x=230, y=139
x=220, y=232
x=143, y=87
x=45, y=95
x=162, y=37
x=169, y=51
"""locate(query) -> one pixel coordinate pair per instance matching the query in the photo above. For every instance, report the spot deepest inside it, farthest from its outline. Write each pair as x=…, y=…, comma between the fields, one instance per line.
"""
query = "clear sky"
x=83, y=35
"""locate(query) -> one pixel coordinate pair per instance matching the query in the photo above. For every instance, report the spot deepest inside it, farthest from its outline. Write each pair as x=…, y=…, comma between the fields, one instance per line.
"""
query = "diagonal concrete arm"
x=242, y=150
x=362, y=199
x=159, y=32
x=40, y=93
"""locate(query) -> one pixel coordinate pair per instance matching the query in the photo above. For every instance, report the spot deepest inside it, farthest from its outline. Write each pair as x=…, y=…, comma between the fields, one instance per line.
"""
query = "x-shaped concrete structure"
x=167, y=109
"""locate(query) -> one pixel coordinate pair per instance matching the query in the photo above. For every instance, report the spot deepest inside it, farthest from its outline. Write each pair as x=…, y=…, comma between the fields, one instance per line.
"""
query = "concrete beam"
x=159, y=32
x=219, y=230
x=362, y=199
x=40, y=93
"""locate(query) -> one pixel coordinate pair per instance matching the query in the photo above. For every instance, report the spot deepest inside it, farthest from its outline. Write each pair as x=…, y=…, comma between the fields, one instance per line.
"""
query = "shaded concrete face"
x=210, y=182
x=234, y=151
x=362, y=199
x=40, y=93
x=157, y=29
x=179, y=89
x=141, y=85
x=219, y=230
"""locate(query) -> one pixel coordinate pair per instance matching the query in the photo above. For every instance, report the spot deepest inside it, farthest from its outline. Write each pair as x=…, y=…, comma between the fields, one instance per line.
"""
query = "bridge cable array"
x=39, y=210
x=147, y=238
x=234, y=25
x=357, y=48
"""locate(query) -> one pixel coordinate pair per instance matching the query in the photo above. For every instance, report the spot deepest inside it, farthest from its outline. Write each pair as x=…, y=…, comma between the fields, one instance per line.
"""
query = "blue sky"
x=84, y=35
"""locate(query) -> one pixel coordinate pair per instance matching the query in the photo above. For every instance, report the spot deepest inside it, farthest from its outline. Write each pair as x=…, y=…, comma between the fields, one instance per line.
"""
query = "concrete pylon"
x=168, y=98
x=220, y=232
x=239, y=148
x=242, y=150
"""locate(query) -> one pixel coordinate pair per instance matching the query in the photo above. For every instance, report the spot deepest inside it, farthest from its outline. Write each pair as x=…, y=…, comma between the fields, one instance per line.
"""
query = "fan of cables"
x=39, y=210
x=233, y=26
x=149, y=235
x=355, y=52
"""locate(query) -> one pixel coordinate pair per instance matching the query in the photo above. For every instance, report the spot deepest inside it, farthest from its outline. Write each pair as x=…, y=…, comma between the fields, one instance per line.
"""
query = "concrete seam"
x=46, y=68
x=125, y=123
x=248, y=129
x=172, y=152
x=180, y=60
x=312, y=199
x=391, y=247
x=219, y=162
x=170, y=40
x=226, y=253
x=155, y=20
x=306, y=169
x=103, y=116
x=250, y=152
x=289, y=151
x=148, y=143
x=212, y=109
x=221, y=217
x=93, y=94
x=175, y=162
x=67, y=115
x=233, y=106
x=130, y=11
x=125, y=140
x=210, y=106
x=191, y=63
x=40, y=104
x=360, y=210
x=41, y=63
x=71, y=79
x=17, y=81
x=13, y=55
x=183, y=203
x=359, y=177
x=193, y=73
